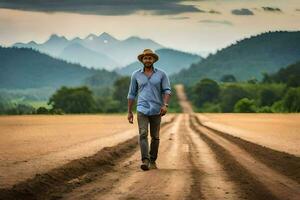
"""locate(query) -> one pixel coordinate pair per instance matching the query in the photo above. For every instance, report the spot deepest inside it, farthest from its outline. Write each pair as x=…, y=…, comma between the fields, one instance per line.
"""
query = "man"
x=152, y=87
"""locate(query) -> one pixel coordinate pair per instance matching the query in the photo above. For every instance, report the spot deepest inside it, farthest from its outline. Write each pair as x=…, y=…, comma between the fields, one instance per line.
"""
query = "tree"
x=267, y=97
x=266, y=78
x=278, y=107
x=252, y=81
x=230, y=95
x=293, y=80
x=121, y=87
x=42, y=110
x=245, y=105
x=228, y=78
x=289, y=75
x=21, y=109
x=291, y=100
x=206, y=90
x=106, y=104
x=73, y=100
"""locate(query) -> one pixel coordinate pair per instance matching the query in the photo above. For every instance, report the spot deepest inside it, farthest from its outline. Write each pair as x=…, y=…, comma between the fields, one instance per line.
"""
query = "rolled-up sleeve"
x=133, y=89
x=166, y=88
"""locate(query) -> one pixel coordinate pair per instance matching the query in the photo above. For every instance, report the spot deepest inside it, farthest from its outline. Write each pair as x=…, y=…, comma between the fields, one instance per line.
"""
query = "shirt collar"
x=142, y=69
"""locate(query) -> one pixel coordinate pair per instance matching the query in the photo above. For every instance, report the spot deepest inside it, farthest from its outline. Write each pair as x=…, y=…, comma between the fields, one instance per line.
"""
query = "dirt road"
x=194, y=162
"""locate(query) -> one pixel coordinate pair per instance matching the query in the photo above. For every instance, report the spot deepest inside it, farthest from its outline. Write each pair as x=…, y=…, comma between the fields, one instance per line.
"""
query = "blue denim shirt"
x=150, y=90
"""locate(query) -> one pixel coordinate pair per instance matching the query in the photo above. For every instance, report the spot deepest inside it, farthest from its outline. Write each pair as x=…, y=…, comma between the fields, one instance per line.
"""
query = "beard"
x=148, y=65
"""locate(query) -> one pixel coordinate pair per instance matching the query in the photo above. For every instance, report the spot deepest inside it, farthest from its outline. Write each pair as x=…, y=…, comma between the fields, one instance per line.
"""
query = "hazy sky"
x=191, y=26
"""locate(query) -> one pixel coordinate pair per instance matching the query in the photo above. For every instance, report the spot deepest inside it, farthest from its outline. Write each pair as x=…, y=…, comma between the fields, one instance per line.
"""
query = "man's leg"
x=143, y=121
x=154, y=132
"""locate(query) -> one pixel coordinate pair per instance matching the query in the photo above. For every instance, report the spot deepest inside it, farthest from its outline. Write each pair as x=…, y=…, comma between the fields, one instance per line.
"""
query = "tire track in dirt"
x=248, y=185
x=284, y=163
x=214, y=182
x=267, y=182
x=63, y=179
x=196, y=173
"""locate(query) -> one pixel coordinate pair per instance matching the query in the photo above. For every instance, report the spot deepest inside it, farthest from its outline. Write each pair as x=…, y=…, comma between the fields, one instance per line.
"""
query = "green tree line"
x=83, y=99
x=278, y=92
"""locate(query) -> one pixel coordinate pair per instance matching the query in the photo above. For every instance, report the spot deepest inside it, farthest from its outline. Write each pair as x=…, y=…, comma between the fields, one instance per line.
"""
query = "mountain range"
x=246, y=59
x=103, y=51
x=23, y=68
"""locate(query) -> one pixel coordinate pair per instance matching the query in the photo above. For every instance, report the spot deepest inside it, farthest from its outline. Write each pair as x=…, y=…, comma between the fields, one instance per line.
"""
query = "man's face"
x=148, y=61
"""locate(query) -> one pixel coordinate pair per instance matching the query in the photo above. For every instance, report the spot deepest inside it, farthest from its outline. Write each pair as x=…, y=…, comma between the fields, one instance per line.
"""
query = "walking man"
x=152, y=87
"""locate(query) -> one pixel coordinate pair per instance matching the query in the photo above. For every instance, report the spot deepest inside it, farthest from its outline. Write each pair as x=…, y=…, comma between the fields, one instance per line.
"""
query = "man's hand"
x=130, y=117
x=163, y=110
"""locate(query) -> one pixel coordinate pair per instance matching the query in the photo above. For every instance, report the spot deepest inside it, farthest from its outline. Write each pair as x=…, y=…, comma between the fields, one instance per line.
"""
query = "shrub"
x=42, y=110
x=245, y=105
x=264, y=109
x=206, y=90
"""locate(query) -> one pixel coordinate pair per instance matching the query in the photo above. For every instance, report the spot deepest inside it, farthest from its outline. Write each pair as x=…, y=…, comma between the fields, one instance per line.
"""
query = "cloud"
x=242, y=11
x=271, y=9
x=224, y=22
x=102, y=7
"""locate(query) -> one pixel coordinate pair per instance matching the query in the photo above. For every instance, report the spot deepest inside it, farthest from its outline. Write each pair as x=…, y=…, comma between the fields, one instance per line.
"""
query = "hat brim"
x=140, y=57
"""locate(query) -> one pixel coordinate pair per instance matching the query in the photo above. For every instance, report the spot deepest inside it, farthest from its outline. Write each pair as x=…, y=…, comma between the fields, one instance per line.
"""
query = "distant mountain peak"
x=104, y=34
x=76, y=39
x=106, y=37
x=55, y=37
x=32, y=43
x=138, y=39
x=133, y=38
x=91, y=37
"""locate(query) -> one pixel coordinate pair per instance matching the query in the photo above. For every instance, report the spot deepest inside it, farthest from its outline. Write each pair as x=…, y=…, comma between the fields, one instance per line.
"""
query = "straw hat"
x=148, y=52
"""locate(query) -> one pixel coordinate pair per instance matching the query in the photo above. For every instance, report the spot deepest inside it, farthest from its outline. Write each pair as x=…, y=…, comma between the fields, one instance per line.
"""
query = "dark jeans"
x=143, y=121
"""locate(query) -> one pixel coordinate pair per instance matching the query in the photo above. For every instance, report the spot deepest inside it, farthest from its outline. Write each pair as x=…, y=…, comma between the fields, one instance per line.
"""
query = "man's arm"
x=166, y=98
x=131, y=96
x=166, y=89
x=130, y=114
